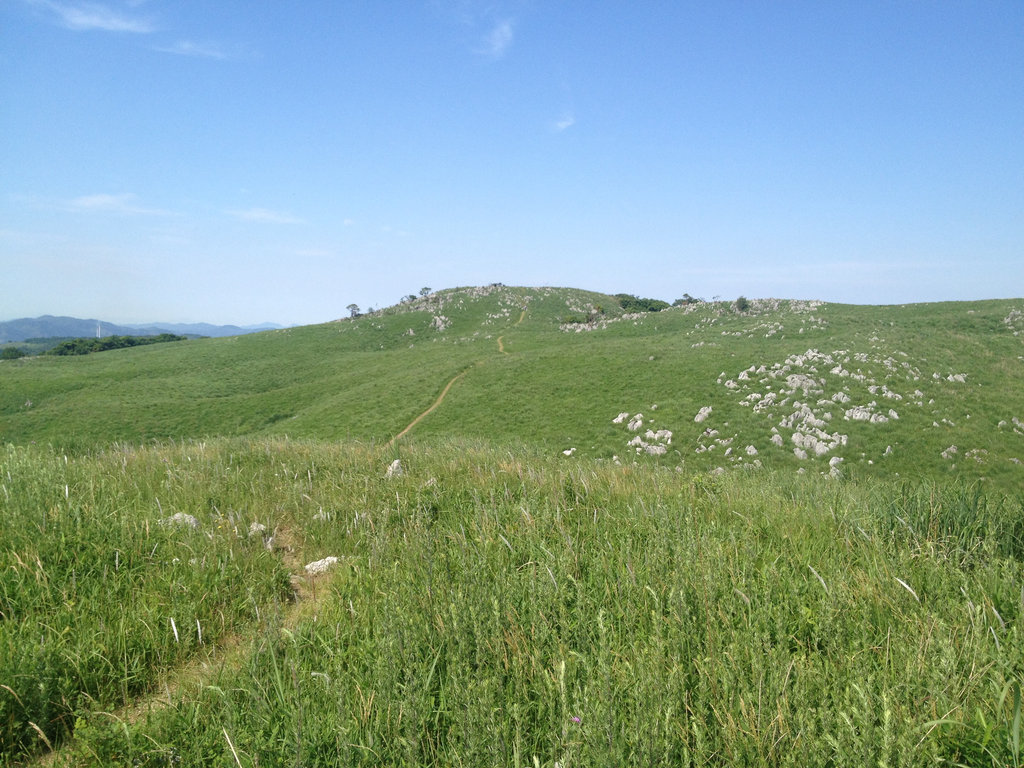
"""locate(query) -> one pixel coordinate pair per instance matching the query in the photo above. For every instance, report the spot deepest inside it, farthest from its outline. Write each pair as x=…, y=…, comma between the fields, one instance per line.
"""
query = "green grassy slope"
x=833, y=375
x=491, y=607
x=547, y=582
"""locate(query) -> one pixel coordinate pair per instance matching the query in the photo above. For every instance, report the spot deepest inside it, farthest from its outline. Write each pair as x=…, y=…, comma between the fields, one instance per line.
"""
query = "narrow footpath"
x=418, y=419
x=228, y=653
x=448, y=386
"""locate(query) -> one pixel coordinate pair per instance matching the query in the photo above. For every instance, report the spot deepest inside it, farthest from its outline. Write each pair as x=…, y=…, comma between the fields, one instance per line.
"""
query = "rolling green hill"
x=521, y=526
x=919, y=391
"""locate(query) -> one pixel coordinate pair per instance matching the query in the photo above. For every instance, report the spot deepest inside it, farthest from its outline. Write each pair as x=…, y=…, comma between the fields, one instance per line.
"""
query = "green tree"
x=742, y=304
x=632, y=303
x=11, y=353
x=353, y=310
x=424, y=291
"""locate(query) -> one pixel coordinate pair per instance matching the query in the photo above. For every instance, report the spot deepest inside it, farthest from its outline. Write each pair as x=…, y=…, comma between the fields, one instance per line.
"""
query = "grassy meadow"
x=948, y=371
x=821, y=564
x=491, y=607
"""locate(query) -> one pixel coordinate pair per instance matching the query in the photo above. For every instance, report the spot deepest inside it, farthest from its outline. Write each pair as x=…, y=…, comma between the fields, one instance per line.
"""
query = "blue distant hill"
x=49, y=326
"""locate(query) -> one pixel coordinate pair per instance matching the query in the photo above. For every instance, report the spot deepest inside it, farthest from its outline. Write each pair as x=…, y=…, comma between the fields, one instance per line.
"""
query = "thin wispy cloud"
x=121, y=205
x=497, y=42
x=567, y=120
x=265, y=216
x=89, y=16
x=84, y=15
x=202, y=50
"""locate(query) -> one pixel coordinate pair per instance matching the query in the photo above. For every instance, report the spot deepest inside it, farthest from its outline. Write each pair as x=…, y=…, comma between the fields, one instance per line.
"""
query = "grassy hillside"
x=496, y=608
x=918, y=390
x=792, y=535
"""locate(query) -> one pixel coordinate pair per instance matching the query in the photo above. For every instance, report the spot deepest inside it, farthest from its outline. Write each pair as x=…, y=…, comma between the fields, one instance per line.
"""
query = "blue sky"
x=236, y=162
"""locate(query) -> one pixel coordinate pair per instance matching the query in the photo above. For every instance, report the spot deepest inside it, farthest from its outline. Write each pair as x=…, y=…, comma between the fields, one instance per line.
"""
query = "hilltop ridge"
x=920, y=390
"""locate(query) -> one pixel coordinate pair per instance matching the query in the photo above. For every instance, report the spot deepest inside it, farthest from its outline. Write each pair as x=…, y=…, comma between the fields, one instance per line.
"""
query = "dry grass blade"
x=42, y=735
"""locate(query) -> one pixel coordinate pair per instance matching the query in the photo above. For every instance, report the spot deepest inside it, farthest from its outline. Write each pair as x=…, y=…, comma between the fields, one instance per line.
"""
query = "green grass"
x=502, y=607
x=92, y=576
x=500, y=602
x=368, y=378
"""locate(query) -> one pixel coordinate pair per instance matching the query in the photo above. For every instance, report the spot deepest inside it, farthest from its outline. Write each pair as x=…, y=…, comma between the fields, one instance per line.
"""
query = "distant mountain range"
x=48, y=326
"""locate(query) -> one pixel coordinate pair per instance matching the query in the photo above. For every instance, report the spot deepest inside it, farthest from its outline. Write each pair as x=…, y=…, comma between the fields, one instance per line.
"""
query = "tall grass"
x=495, y=607
x=99, y=593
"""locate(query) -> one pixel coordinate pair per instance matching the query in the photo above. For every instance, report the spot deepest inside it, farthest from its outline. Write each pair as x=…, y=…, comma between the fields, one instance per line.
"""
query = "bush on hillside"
x=632, y=303
x=687, y=299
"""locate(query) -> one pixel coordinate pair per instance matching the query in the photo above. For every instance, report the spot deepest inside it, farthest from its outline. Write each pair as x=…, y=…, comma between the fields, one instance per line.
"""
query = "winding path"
x=228, y=653
x=448, y=386
x=418, y=419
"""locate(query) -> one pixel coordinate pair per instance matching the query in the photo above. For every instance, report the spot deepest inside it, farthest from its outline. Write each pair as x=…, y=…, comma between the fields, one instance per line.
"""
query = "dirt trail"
x=440, y=398
x=227, y=653
x=418, y=419
x=501, y=344
x=230, y=650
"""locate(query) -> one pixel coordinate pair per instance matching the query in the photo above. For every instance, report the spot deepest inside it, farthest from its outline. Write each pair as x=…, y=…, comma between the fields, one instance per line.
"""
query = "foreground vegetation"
x=106, y=585
x=498, y=607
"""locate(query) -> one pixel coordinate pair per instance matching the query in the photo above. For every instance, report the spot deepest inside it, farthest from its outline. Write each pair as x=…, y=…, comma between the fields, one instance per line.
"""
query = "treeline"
x=86, y=346
x=632, y=303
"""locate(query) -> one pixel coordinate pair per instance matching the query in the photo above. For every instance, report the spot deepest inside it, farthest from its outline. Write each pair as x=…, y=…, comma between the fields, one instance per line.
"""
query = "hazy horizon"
x=345, y=313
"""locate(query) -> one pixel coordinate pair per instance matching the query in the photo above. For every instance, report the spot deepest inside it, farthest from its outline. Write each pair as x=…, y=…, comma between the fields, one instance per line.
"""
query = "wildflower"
x=180, y=518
